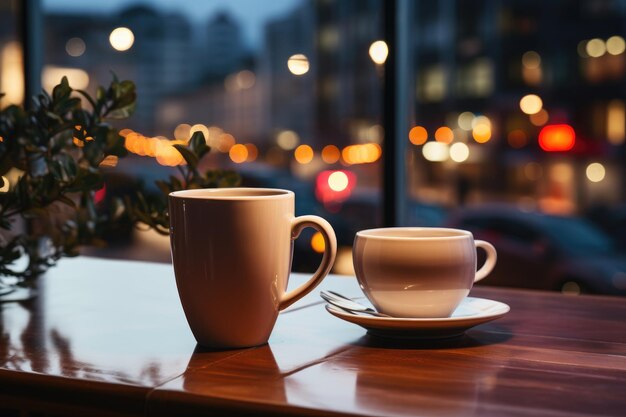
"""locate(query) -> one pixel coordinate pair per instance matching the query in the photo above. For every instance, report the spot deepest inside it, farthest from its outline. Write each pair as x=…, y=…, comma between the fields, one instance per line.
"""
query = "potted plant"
x=52, y=157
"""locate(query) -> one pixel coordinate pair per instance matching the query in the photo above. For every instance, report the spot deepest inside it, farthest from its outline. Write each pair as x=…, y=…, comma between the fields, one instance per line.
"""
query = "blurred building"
x=483, y=57
x=339, y=98
x=158, y=60
x=291, y=98
x=11, y=65
x=223, y=50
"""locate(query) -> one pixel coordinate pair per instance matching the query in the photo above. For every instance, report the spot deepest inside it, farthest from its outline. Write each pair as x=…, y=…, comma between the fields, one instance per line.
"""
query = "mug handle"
x=330, y=251
x=492, y=256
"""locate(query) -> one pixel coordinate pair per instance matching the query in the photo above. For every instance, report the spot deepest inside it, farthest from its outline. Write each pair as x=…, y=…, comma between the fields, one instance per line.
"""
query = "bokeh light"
x=253, y=152
x=561, y=172
x=361, y=154
x=459, y=152
x=121, y=39
x=338, y=181
x=555, y=138
x=531, y=60
x=418, y=135
x=76, y=77
x=595, y=172
x=615, y=45
x=183, y=132
x=531, y=104
x=595, y=48
x=482, y=133
x=197, y=128
x=378, y=52
x=224, y=142
x=540, y=118
x=75, y=47
x=298, y=64
x=533, y=171
x=465, y=120
x=331, y=154
x=376, y=133
x=317, y=242
x=166, y=154
x=517, y=138
x=435, y=151
x=444, y=134
x=481, y=120
x=616, y=122
x=245, y=79
x=238, y=153
x=303, y=154
x=288, y=140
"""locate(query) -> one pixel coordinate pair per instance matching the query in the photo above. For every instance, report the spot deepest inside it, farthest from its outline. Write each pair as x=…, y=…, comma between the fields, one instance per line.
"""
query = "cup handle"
x=330, y=251
x=492, y=256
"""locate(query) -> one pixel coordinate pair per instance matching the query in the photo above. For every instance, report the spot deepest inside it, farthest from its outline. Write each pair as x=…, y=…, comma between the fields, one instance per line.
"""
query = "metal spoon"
x=348, y=304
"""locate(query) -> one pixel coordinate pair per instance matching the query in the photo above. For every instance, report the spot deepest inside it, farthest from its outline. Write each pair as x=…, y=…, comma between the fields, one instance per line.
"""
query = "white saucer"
x=472, y=312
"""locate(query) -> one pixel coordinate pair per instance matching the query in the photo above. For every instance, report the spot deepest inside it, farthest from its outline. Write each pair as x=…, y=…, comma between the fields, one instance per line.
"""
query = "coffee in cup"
x=418, y=271
x=232, y=251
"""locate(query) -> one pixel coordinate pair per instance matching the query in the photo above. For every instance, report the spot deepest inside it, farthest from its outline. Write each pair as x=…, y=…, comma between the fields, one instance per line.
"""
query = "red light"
x=100, y=194
x=333, y=188
x=557, y=138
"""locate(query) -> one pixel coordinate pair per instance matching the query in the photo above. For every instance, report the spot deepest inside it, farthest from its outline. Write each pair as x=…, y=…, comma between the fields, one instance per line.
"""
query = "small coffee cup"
x=418, y=272
x=232, y=251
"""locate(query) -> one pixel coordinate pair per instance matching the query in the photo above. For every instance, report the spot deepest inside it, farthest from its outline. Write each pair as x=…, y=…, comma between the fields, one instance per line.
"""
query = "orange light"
x=125, y=132
x=444, y=134
x=183, y=131
x=317, y=243
x=225, y=142
x=331, y=154
x=517, y=138
x=539, y=119
x=481, y=133
x=238, y=153
x=303, y=154
x=361, y=154
x=167, y=155
x=418, y=135
x=253, y=152
x=130, y=140
x=557, y=138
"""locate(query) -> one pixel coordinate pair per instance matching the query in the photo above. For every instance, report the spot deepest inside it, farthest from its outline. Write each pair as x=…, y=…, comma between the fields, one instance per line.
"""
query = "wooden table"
x=109, y=338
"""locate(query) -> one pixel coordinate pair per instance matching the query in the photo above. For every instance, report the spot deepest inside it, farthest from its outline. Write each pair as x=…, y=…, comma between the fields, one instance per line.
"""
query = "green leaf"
x=189, y=156
x=62, y=90
x=122, y=112
x=100, y=93
x=198, y=145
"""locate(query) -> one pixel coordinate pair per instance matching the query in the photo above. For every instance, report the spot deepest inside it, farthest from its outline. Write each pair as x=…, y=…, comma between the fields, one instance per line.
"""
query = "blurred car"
x=546, y=252
x=612, y=220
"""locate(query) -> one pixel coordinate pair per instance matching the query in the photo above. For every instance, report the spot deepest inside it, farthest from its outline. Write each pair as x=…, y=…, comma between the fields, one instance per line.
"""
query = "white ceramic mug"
x=418, y=271
x=232, y=251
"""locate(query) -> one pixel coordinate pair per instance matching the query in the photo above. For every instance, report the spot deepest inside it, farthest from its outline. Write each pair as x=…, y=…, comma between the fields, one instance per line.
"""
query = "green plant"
x=54, y=153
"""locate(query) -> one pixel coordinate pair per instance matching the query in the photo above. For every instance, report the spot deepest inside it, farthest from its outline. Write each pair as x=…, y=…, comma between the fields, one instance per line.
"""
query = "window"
x=291, y=82
x=487, y=103
x=11, y=59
